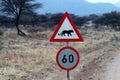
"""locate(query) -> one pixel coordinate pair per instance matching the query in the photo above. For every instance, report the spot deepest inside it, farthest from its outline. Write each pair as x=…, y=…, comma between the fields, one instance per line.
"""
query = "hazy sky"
x=108, y=1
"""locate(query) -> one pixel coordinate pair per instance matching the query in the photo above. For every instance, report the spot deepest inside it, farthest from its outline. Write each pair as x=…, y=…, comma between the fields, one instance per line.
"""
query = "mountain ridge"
x=78, y=7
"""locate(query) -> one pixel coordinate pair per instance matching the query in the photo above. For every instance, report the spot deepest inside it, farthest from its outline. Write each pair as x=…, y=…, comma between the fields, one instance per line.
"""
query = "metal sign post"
x=67, y=57
x=68, y=74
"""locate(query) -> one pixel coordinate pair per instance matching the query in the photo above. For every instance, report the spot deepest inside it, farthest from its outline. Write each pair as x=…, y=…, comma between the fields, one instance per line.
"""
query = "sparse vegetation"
x=115, y=37
x=15, y=8
x=1, y=32
x=1, y=47
x=35, y=57
x=111, y=20
x=107, y=21
x=1, y=44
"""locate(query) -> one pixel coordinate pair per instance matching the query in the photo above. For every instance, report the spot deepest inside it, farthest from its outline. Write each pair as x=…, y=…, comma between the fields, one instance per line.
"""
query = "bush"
x=114, y=38
x=111, y=20
x=1, y=44
x=1, y=32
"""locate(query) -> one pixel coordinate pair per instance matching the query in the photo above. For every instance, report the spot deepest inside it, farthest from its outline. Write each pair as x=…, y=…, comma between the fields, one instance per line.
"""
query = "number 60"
x=70, y=59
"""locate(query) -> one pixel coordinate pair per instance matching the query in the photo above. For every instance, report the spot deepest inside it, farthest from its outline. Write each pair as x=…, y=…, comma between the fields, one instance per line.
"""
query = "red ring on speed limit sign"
x=67, y=58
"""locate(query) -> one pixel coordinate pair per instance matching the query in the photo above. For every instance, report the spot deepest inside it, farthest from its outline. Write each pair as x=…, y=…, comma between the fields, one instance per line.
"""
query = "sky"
x=108, y=1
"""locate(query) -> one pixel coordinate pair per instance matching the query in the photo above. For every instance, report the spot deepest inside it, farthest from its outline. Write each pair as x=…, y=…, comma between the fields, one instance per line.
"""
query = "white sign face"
x=66, y=31
x=67, y=58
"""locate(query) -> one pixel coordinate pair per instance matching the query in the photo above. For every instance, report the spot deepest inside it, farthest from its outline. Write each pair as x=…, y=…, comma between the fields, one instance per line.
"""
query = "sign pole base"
x=68, y=75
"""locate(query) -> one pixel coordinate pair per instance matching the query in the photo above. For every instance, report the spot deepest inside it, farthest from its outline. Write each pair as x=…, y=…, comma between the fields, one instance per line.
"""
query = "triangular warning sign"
x=66, y=31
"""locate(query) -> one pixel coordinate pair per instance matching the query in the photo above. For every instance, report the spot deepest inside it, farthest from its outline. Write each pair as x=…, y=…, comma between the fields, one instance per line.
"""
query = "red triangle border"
x=66, y=15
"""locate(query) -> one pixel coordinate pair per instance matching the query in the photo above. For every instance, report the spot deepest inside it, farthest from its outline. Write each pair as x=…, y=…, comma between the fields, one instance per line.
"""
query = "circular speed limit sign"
x=67, y=58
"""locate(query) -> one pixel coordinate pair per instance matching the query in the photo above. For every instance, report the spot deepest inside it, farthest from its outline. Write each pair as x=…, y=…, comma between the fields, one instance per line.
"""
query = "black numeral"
x=70, y=59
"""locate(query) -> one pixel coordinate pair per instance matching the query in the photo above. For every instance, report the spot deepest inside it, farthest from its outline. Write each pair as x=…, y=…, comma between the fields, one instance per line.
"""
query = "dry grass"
x=27, y=57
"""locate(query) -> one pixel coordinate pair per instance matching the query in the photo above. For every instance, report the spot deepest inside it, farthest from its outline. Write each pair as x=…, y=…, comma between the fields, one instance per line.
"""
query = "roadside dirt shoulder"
x=100, y=68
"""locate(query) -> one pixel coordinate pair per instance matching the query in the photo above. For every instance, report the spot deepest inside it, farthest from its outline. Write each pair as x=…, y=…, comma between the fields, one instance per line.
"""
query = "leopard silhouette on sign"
x=68, y=32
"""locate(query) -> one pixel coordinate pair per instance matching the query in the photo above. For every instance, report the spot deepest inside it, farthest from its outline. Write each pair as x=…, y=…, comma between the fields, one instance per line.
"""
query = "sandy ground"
x=105, y=67
x=113, y=69
x=33, y=57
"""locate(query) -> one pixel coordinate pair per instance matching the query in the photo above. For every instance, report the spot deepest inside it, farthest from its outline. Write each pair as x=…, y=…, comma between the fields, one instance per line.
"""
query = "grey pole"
x=68, y=74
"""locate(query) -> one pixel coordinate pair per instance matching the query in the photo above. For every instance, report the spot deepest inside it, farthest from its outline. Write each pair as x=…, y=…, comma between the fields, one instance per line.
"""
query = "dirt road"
x=106, y=67
x=113, y=69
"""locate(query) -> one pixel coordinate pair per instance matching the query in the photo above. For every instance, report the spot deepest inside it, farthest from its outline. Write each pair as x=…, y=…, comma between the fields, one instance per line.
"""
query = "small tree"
x=15, y=8
x=26, y=19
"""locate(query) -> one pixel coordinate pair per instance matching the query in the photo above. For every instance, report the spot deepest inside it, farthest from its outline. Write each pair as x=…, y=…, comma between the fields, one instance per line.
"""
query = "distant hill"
x=78, y=7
